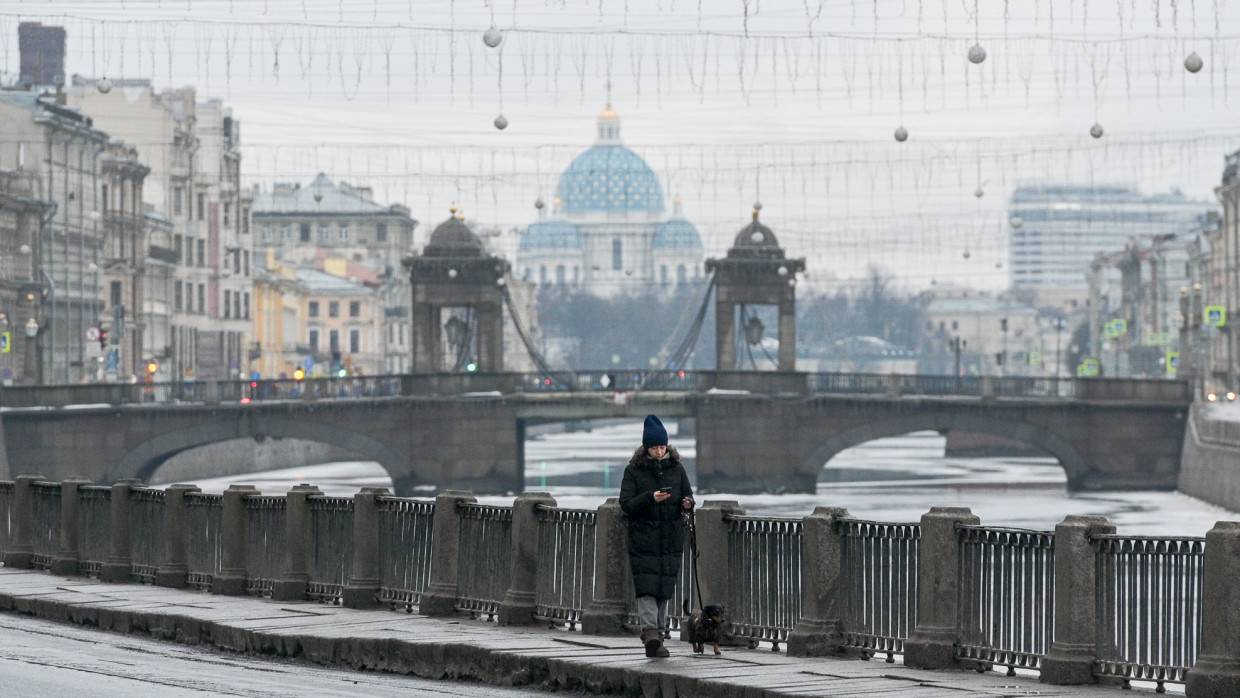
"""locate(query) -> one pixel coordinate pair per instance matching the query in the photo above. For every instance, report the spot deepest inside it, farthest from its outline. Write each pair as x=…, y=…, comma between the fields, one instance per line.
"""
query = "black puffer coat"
x=656, y=530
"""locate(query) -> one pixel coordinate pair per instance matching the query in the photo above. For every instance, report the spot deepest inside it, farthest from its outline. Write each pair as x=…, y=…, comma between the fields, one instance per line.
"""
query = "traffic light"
x=103, y=338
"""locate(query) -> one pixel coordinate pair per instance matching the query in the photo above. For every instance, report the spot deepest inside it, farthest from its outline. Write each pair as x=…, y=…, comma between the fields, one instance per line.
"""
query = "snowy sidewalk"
x=382, y=640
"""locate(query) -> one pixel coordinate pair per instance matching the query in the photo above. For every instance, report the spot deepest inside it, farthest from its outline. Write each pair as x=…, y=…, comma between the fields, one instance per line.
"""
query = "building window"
x=237, y=305
x=663, y=274
x=381, y=232
x=314, y=341
x=246, y=254
x=322, y=233
x=245, y=221
x=344, y=232
x=542, y=275
x=178, y=207
x=227, y=304
x=202, y=252
x=176, y=246
x=681, y=276
x=355, y=308
x=304, y=231
x=105, y=198
x=236, y=255
x=559, y=275
x=355, y=341
x=227, y=214
x=176, y=294
x=334, y=338
x=202, y=298
x=314, y=308
x=246, y=306
x=617, y=255
x=333, y=309
x=202, y=207
x=576, y=276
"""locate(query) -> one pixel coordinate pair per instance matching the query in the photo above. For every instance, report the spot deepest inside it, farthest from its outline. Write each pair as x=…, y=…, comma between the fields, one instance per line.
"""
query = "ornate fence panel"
x=765, y=560
x=6, y=515
x=879, y=607
x=405, y=530
x=331, y=549
x=264, y=542
x=1007, y=595
x=485, y=564
x=94, y=524
x=203, y=522
x=45, y=512
x=1149, y=606
x=146, y=532
x=565, y=564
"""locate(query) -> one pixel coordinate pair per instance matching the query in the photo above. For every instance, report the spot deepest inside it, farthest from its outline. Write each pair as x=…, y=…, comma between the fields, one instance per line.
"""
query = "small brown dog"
x=704, y=626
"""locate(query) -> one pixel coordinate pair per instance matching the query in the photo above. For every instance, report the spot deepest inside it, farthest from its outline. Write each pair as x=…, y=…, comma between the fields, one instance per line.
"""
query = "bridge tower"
x=754, y=272
x=454, y=272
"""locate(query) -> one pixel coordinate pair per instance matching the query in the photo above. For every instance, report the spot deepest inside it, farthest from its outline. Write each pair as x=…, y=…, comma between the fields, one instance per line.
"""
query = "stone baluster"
x=932, y=644
x=66, y=561
x=231, y=579
x=1217, y=672
x=606, y=612
x=20, y=554
x=1074, y=648
x=518, y=605
x=172, y=569
x=819, y=630
x=295, y=577
x=120, y=561
x=362, y=591
x=439, y=599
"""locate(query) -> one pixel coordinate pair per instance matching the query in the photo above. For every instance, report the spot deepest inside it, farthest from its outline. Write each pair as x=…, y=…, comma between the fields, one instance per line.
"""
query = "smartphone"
x=665, y=489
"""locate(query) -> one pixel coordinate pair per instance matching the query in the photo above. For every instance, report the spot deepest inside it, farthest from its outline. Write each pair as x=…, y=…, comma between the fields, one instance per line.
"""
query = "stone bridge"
x=756, y=432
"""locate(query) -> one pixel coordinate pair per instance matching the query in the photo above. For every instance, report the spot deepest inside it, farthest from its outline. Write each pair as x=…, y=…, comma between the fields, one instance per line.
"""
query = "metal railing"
x=94, y=523
x=485, y=564
x=265, y=538
x=45, y=512
x=765, y=559
x=203, y=527
x=565, y=582
x=1149, y=606
x=331, y=549
x=6, y=515
x=1007, y=595
x=879, y=571
x=146, y=533
x=405, y=530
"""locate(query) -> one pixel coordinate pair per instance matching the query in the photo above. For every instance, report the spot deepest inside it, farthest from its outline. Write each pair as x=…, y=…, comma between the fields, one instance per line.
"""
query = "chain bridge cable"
x=540, y=361
x=685, y=349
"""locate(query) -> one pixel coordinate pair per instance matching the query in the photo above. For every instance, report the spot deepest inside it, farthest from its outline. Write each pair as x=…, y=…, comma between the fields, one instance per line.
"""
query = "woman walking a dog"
x=653, y=494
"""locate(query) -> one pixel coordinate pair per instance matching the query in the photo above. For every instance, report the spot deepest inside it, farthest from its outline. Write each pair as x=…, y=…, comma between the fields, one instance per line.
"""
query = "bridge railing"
x=879, y=571
x=1149, y=602
x=1007, y=595
x=600, y=381
x=941, y=592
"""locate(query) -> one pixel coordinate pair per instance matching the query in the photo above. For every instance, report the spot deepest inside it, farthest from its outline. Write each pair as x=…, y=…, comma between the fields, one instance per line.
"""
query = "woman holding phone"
x=654, y=492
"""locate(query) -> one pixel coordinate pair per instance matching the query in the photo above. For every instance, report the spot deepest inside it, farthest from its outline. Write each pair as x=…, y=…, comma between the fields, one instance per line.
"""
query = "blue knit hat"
x=653, y=433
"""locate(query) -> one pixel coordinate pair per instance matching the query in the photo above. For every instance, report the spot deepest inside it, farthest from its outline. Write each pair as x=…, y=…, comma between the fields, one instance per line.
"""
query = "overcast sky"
x=793, y=102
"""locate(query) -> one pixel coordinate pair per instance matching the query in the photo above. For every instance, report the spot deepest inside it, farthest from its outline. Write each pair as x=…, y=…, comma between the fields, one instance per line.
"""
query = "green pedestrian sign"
x=1115, y=328
x=1215, y=315
x=1089, y=367
x=1173, y=362
x=6, y=342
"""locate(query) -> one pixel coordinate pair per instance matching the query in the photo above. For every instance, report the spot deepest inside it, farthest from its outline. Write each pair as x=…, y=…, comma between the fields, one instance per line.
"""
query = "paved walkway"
x=475, y=650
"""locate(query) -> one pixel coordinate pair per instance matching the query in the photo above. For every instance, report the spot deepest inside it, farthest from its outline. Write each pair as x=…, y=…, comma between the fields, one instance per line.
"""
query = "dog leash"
x=697, y=584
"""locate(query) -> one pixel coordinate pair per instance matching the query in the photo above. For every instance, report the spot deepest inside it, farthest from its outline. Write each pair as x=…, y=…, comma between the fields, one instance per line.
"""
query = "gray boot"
x=653, y=643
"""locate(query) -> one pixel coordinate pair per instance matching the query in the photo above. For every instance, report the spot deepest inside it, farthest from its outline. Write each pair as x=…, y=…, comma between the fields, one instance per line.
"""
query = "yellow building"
x=343, y=322
x=280, y=301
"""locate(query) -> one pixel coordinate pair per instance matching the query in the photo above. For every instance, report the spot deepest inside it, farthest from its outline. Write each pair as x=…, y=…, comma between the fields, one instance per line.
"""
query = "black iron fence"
x=331, y=527
x=204, y=516
x=879, y=569
x=565, y=564
x=765, y=576
x=485, y=558
x=94, y=528
x=146, y=526
x=265, y=537
x=405, y=530
x=45, y=510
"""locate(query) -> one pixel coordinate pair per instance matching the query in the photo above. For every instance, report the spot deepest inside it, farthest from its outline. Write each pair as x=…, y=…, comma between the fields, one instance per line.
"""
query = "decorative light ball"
x=1096, y=130
x=1193, y=63
x=500, y=281
x=653, y=361
x=501, y=122
x=979, y=193
x=757, y=205
x=615, y=358
x=757, y=237
x=977, y=54
x=539, y=203
x=1016, y=221
x=901, y=134
x=628, y=272
x=317, y=197
x=24, y=249
x=104, y=85
x=452, y=273
x=998, y=265
x=492, y=37
x=967, y=254
x=792, y=282
x=782, y=271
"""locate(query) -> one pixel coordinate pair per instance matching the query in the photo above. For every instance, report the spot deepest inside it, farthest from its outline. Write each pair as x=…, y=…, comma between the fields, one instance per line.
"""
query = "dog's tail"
x=686, y=606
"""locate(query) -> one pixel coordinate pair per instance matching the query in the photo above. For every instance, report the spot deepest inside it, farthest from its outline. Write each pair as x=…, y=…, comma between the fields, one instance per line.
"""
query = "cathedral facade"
x=607, y=230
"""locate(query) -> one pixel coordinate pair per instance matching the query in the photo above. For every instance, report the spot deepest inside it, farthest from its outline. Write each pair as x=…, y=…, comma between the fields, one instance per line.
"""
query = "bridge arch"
x=142, y=461
x=1074, y=464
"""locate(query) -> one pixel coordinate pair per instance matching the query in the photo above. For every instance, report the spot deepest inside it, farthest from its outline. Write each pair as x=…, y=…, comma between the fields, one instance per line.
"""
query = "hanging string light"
x=492, y=37
x=977, y=54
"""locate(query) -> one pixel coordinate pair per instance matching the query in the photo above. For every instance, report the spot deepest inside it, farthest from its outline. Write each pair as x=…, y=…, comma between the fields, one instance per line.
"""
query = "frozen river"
x=894, y=479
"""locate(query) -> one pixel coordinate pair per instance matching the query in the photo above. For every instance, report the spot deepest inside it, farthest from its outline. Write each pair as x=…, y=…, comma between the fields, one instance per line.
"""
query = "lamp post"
x=957, y=345
x=34, y=367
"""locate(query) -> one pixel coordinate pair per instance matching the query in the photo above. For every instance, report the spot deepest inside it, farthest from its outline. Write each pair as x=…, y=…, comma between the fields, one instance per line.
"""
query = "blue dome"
x=609, y=179
x=550, y=235
x=677, y=233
